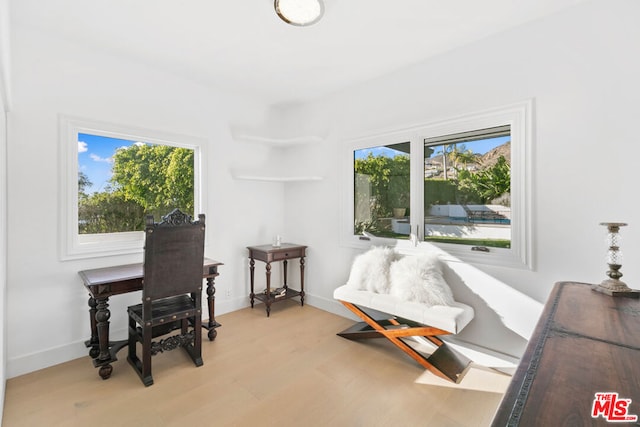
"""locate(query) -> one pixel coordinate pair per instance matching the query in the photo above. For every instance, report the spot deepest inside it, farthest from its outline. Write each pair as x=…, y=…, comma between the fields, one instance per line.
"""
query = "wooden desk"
x=269, y=254
x=103, y=283
x=585, y=343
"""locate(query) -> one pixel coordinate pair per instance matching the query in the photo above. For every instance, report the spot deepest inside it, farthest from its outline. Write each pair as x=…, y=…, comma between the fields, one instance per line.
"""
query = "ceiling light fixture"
x=299, y=12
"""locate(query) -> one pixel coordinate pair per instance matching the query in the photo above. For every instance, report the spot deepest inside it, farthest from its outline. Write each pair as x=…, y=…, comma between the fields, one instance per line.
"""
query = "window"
x=115, y=176
x=467, y=188
x=382, y=190
x=461, y=184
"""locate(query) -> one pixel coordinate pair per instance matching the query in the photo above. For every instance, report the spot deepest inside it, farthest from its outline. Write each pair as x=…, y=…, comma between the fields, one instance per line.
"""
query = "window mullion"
x=416, y=188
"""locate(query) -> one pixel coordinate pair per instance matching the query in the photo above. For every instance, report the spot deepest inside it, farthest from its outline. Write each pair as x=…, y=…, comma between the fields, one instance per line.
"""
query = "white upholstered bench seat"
x=449, y=318
x=409, y=319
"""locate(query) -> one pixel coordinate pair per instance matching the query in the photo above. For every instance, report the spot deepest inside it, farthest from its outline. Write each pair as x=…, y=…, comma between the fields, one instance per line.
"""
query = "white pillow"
x=419, y=278
x=370, y=270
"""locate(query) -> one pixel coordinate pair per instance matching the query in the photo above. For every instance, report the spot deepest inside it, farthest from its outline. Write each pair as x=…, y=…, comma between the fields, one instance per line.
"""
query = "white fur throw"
x=370, y=270
x=419, y=278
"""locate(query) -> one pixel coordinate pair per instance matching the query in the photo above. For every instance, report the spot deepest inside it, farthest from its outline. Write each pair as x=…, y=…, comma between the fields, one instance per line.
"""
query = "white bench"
x=406, y=320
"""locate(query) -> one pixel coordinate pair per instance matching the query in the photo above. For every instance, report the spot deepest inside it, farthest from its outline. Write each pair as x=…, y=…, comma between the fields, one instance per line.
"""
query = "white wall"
x=581, y=67
x=47, y=311
x=4, y=107
x=3, y=254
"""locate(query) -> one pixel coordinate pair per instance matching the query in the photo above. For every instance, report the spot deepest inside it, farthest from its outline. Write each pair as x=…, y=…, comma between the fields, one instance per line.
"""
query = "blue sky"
x=95, y=158
x=478, y=147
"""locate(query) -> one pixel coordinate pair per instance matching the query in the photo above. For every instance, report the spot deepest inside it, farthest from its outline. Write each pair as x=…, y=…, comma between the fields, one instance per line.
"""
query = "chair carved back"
x=173, y=256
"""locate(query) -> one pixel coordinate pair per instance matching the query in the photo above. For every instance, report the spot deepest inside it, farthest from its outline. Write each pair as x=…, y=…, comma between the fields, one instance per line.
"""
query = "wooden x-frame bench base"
x=443, y=362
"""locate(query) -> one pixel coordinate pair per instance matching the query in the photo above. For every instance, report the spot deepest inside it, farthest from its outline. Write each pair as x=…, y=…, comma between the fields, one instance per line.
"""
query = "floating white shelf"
x=276, y=142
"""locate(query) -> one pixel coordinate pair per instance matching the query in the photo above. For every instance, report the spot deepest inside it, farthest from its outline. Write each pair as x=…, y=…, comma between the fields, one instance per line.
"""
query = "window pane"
x=121, y=181
x=467, y=188
x=381, y=190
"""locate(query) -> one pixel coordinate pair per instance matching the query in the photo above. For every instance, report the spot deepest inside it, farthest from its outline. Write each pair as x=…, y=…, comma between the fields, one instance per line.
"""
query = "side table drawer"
x=294, y=253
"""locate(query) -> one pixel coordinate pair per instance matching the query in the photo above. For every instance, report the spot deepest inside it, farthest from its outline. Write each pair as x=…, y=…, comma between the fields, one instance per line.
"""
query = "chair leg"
x=145, y=374
x=142, y=367
x=195, y=350
x=132, y=341
x=443, y=362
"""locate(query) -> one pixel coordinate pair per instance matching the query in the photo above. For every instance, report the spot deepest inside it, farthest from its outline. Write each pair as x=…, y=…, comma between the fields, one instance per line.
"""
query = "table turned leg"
x=284, y=272
x=104, y=358
x=267, y=301
x=302, y=281
x=252, y=266
x=211, y=301
x=94, y=342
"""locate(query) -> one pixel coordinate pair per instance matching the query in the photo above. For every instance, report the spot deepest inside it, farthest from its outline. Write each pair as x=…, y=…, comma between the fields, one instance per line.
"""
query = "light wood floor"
x=287, y=370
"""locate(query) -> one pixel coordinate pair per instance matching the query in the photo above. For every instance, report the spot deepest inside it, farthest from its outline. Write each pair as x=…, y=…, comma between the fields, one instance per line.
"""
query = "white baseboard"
x=327, y=304
x=224, y=306
x=49, y=357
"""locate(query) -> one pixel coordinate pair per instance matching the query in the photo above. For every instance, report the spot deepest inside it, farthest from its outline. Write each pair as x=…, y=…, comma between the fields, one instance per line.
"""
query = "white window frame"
x=519, y=117
x=74, y=245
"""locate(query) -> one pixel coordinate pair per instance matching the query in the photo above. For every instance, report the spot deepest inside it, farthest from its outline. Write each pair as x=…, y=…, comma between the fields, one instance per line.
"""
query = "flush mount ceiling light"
x=299, y=12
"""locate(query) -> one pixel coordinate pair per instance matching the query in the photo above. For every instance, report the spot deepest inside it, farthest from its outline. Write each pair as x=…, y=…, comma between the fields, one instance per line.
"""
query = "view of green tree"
x=389, y=180
x=438, y=191
x=158, y=177
x=108, y=212
x=486, y=184
x=147, y=179
x=460, y=155
x=83, y=183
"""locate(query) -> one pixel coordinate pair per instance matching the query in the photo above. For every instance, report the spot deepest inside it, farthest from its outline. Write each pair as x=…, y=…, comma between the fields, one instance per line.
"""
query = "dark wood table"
x=585, y=343
x=103, y=283
x=269, y=254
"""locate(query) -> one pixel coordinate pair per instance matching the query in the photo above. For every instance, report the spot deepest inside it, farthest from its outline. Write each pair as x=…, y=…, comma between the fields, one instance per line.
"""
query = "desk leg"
x=93, y=342
x=302, y=281
x=104, y=359
x=284, y=268
x=267, y=301
x=211, y=301
x=252, y=266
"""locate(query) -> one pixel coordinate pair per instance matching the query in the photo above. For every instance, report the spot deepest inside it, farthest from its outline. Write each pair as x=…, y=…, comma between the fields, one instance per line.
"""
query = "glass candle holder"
x=613, y=285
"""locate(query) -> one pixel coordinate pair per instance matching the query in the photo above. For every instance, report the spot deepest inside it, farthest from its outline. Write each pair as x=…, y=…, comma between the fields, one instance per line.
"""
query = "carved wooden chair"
x=172, y=291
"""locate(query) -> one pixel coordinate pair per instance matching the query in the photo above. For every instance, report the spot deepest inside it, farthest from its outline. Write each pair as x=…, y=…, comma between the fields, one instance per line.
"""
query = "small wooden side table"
x=269, y=254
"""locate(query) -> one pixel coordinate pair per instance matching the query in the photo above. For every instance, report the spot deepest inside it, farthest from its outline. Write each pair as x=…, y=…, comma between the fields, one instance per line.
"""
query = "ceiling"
x=242, y=45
